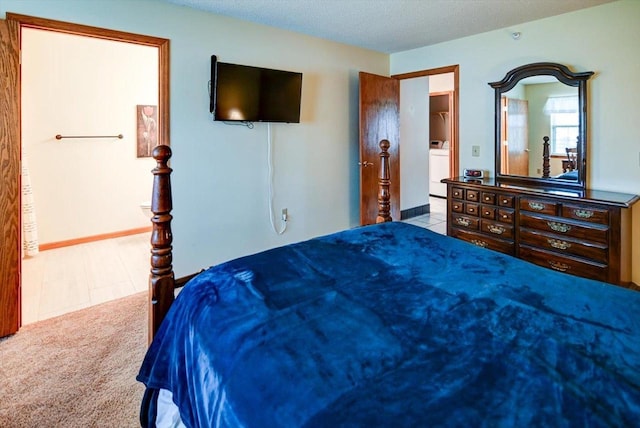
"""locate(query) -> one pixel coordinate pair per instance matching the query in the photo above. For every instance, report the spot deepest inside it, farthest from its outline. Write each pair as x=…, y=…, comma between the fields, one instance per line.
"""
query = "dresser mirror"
x=541, y=126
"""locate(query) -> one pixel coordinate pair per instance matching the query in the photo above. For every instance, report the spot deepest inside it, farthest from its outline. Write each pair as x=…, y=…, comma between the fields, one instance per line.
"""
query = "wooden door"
x=517, y=134
x=9, y=178
x=379, y=120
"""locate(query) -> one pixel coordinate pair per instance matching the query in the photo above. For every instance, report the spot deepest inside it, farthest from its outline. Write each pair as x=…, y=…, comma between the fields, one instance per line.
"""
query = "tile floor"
x=71, y=278
x=436, y=220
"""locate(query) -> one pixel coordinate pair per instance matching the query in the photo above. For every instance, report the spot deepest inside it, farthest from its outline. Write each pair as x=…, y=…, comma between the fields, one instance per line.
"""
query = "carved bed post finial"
x=161, y=278
x=545, y=157
x=384, y=206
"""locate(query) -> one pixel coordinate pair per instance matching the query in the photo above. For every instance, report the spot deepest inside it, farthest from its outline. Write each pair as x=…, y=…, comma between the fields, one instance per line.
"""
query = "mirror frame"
x=566, y=76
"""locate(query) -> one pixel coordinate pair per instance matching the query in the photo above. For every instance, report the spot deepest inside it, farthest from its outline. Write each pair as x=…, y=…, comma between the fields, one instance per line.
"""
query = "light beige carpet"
x=76, y=370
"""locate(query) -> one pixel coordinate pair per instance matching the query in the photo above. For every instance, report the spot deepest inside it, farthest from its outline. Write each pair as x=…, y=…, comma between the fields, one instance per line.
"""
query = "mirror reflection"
x=538, y=107
x=541, y=126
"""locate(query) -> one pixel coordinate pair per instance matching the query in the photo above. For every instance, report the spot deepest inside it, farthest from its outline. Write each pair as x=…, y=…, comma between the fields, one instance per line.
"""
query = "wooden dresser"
x=584, y=233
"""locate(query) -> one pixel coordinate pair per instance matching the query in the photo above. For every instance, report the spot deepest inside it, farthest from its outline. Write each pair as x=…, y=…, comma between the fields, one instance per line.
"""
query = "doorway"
x=11, y=308
x=380, y=119
x=441, y=131
x=438, y=139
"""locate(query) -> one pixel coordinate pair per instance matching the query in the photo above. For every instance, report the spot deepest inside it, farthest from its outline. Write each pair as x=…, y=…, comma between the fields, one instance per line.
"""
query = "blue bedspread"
x=395, y=326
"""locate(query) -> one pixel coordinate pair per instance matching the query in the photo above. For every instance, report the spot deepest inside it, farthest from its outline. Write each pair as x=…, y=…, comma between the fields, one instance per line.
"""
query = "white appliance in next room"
x=438, y=169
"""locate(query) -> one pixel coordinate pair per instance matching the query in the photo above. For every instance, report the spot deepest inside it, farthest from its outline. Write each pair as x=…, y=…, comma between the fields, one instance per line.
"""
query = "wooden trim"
x=84, y=30
x=10, y=261
x=429, y=72
x=93, y=238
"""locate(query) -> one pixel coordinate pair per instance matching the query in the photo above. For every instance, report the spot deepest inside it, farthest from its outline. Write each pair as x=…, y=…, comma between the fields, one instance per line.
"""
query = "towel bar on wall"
x=60, y=137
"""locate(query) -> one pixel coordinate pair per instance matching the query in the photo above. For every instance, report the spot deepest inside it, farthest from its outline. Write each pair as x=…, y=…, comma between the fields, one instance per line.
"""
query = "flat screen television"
x=254, y=94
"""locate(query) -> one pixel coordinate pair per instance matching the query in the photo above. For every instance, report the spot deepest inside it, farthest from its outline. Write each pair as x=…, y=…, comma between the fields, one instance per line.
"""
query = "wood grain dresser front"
x=586, y=234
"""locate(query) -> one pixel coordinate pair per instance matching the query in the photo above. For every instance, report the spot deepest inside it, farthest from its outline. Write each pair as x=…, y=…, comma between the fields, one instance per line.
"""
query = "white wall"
x=603, y=39
x=441, y=82
x=220, y=174
x=414, y=142
x=74, y=85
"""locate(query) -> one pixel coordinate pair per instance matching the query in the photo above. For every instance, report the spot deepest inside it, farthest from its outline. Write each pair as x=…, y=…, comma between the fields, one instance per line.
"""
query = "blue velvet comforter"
x=395, y=326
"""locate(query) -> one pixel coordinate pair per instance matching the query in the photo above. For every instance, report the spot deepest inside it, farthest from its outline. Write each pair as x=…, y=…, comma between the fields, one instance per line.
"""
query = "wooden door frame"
x=25, y=21
x=454, y=160
x=10, y=260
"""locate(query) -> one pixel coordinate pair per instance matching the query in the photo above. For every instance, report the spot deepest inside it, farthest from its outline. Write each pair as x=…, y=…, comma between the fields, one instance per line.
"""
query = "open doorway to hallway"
x=428, y=136
x=76, y=180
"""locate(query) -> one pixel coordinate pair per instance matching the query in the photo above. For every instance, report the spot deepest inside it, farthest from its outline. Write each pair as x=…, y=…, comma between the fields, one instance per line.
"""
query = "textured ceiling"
x=389, y=25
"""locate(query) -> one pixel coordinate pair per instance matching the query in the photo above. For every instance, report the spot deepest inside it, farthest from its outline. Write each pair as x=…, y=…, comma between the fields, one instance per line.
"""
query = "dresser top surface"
x=587, y=195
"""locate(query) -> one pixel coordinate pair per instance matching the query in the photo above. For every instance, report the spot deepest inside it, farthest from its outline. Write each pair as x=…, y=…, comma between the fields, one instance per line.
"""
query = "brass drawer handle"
x=560, y=245
x=471, y=210
x=583, y=213
x=479, y=243
x=562, y=267
x=559, y=227
x=463, y=221
x=505, y=216
x=536, y=206
x=498, y=230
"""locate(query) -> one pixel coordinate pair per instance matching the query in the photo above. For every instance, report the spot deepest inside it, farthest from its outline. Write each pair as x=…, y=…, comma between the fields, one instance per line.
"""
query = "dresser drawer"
x=465, y=221
x=560, y=226
x=457, y=193
x=594, y=215
x=488, y=212
x=506, y=200
x=505, y=215
x=489, y=198
x=564, y=245
x=497, y=229
x=483, y=241
x=500, y=214
x=565, y=264
x=538, y=206
x=472, y=209
x=472, y=195
x=457, y=207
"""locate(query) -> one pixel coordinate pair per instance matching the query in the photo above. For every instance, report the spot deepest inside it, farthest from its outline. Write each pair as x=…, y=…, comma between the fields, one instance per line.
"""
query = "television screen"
x=254, y=94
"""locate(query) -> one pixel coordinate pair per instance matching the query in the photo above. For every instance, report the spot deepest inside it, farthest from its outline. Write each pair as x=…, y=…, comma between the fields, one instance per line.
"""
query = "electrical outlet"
x=285, y=214
x=475, y=151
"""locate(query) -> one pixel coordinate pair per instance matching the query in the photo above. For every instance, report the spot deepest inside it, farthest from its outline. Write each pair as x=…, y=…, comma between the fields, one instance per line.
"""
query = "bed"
x=384, y=325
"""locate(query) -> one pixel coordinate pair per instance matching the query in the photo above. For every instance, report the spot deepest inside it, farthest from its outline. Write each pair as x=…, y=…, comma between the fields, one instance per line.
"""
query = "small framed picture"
x=147, y=121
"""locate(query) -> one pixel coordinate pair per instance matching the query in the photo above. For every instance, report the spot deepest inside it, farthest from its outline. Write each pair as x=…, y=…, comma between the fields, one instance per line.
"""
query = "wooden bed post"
x=161, y=278
x=545, y=157
x=384, y=206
